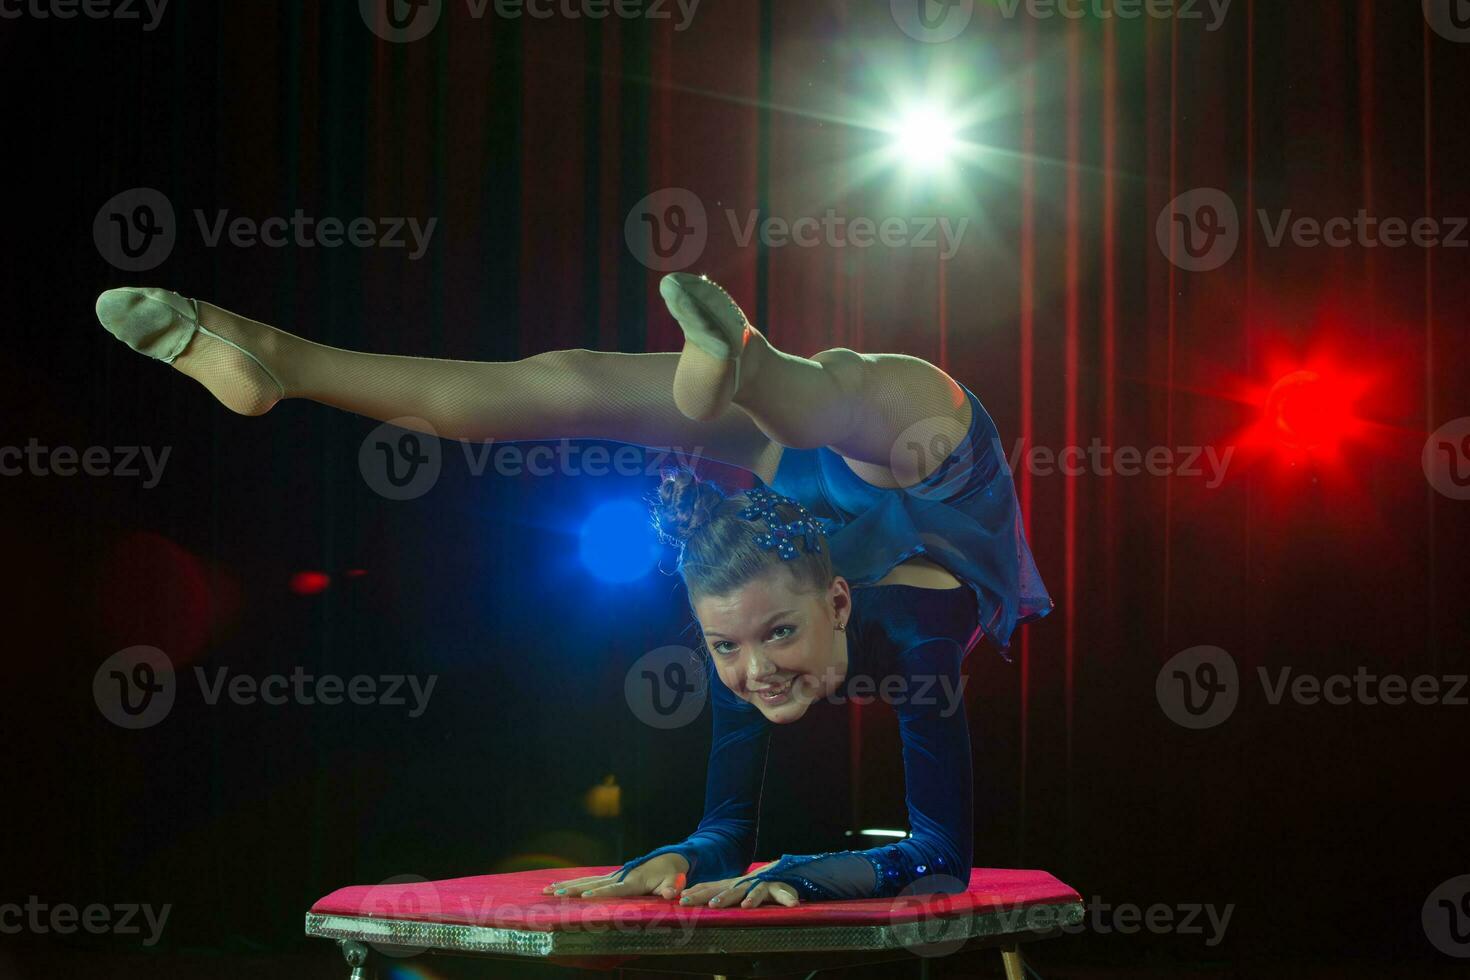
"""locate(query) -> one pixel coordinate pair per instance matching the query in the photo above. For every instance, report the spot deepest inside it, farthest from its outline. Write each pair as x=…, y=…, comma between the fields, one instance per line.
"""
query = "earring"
x=842, y=627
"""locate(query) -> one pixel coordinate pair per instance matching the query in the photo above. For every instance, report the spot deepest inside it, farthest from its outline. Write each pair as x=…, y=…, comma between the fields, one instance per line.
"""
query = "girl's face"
x=775, y=647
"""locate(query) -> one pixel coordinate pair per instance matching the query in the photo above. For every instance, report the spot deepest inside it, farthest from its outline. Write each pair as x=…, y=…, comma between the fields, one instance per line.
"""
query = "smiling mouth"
x=774, y=695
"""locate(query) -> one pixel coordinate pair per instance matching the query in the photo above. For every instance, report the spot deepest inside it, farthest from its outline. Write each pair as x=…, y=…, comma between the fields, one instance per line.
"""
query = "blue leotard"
x=965, y=518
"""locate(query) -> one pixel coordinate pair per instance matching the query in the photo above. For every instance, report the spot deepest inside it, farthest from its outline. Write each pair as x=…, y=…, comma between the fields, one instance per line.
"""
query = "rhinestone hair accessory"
x=783, y=535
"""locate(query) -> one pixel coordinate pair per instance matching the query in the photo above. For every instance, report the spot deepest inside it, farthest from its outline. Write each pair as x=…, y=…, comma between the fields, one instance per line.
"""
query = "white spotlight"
x=924, y=139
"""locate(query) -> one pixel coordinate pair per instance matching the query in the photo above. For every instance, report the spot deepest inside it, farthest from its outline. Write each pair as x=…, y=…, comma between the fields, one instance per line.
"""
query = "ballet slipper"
x=714, y=325
x=160, y=324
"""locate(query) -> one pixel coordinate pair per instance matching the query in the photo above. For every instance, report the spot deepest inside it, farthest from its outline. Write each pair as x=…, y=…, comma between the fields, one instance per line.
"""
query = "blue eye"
x=724, y=647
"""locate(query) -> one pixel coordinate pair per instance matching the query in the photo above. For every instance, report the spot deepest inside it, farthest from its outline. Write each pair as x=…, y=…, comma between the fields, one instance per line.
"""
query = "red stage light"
x=1306, y=411
x=310, y=583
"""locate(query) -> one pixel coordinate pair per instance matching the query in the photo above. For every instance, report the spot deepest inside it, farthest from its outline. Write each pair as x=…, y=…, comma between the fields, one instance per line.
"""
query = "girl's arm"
x=723, y=845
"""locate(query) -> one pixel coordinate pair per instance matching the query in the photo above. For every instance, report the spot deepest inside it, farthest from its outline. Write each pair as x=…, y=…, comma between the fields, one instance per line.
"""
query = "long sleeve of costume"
x=939, y=790
x=723, y=845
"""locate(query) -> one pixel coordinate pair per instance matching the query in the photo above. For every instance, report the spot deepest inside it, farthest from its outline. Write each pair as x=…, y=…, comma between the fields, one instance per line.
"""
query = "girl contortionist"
x=883, y=543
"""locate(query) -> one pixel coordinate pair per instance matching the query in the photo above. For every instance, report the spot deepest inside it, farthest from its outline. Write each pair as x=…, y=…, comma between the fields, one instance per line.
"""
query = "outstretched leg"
x=570, y=394
x=739, y=407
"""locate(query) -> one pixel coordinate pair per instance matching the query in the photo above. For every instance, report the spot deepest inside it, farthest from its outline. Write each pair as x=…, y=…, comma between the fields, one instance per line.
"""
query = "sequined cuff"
x=790, y=870
x=881, y=872
x=806, y=889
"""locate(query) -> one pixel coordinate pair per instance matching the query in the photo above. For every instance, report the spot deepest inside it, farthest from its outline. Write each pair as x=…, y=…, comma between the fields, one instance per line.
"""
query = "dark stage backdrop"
x=528, y=142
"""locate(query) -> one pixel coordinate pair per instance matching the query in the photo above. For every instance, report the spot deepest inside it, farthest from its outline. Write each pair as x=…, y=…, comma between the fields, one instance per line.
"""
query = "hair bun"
x=684, y=503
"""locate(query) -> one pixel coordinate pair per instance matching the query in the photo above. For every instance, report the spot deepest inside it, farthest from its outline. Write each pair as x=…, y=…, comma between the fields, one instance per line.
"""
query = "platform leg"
x=1015, y=966
x=356, y=954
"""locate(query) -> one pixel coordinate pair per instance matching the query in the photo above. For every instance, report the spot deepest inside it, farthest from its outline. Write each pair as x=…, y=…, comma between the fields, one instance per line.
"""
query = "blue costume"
x=965, y=518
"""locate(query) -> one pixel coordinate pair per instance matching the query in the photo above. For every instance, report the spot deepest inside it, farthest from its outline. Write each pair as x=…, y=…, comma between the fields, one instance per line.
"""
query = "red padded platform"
x=514, y=901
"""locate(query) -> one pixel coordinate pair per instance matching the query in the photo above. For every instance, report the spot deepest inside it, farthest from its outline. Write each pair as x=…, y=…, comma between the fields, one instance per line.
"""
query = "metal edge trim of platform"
x=619, y=940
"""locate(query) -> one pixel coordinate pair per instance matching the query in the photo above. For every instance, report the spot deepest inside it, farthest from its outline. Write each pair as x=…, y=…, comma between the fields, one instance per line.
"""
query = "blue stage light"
x=618, y=542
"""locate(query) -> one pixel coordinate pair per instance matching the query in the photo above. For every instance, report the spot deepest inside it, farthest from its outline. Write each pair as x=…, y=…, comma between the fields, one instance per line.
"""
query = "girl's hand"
x=662, y=876
x=732, y=892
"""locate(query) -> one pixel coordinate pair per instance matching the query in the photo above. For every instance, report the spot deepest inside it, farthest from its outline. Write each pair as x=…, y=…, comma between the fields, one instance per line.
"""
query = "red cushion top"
x=514, y=901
